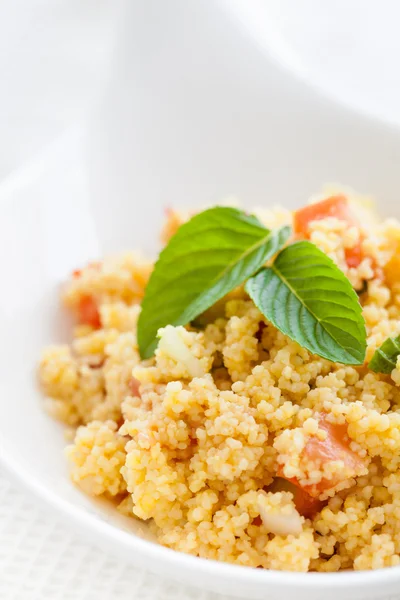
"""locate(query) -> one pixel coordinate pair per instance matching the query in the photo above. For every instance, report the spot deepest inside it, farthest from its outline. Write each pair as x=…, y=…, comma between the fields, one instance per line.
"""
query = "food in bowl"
x=242, y=395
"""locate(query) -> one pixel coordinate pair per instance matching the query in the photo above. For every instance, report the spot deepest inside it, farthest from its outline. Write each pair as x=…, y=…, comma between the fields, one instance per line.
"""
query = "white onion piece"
x=173, y=346
x=282, y=523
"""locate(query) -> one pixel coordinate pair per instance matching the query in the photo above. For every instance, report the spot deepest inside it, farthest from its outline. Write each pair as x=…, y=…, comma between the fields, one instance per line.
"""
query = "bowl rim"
x=104, y=531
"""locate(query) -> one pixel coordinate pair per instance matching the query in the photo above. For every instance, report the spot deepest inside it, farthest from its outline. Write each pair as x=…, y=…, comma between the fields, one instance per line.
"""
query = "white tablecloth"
x=40, y=559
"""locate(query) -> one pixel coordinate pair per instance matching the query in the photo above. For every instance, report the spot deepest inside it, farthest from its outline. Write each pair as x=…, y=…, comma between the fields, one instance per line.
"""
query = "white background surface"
x=54, y=59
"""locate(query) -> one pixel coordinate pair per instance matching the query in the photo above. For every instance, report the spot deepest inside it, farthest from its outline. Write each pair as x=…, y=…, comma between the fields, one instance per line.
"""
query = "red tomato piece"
x=335, y=206
x=354, y=256
x=89, y=312
x=335, y=447
x=306, y=505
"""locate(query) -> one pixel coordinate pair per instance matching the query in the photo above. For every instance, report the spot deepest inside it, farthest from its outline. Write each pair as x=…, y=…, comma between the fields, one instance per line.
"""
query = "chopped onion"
x=282, y=523
x=172, y=344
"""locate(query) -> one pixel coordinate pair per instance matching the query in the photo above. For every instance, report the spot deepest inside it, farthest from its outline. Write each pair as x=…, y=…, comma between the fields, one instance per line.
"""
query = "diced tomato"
x=335, y=447
x=134, y=385
x=354, y=256
x=305, y=504
x=335, y=206
x=89, y=312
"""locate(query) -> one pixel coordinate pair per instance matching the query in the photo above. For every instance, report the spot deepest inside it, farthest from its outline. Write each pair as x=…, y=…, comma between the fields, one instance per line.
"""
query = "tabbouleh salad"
x=242, y=396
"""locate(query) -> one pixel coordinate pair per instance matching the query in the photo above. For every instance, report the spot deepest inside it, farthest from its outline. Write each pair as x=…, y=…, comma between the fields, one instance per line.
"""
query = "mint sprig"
x=209, y=256
x=385, y=357
x=307, y=297
x=303, y=293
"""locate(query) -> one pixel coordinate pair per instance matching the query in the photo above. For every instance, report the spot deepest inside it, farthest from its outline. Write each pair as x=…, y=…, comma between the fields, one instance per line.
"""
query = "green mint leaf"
x=307, y=297
x=384, y=359
x=209, y=256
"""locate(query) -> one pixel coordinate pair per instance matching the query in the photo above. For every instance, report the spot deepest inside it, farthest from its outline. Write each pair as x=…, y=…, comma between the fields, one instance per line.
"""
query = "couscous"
x=232, y=439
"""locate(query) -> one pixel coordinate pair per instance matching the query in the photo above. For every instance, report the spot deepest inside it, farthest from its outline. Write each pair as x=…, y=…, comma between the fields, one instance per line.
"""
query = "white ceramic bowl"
x=194, y=112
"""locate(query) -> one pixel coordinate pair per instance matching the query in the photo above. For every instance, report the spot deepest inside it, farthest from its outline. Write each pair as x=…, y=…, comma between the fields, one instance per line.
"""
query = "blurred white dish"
x=348, y=50
x=194, y=113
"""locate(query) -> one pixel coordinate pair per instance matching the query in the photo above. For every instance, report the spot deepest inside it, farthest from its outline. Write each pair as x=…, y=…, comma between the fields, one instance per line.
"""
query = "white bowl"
x=194, y=112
